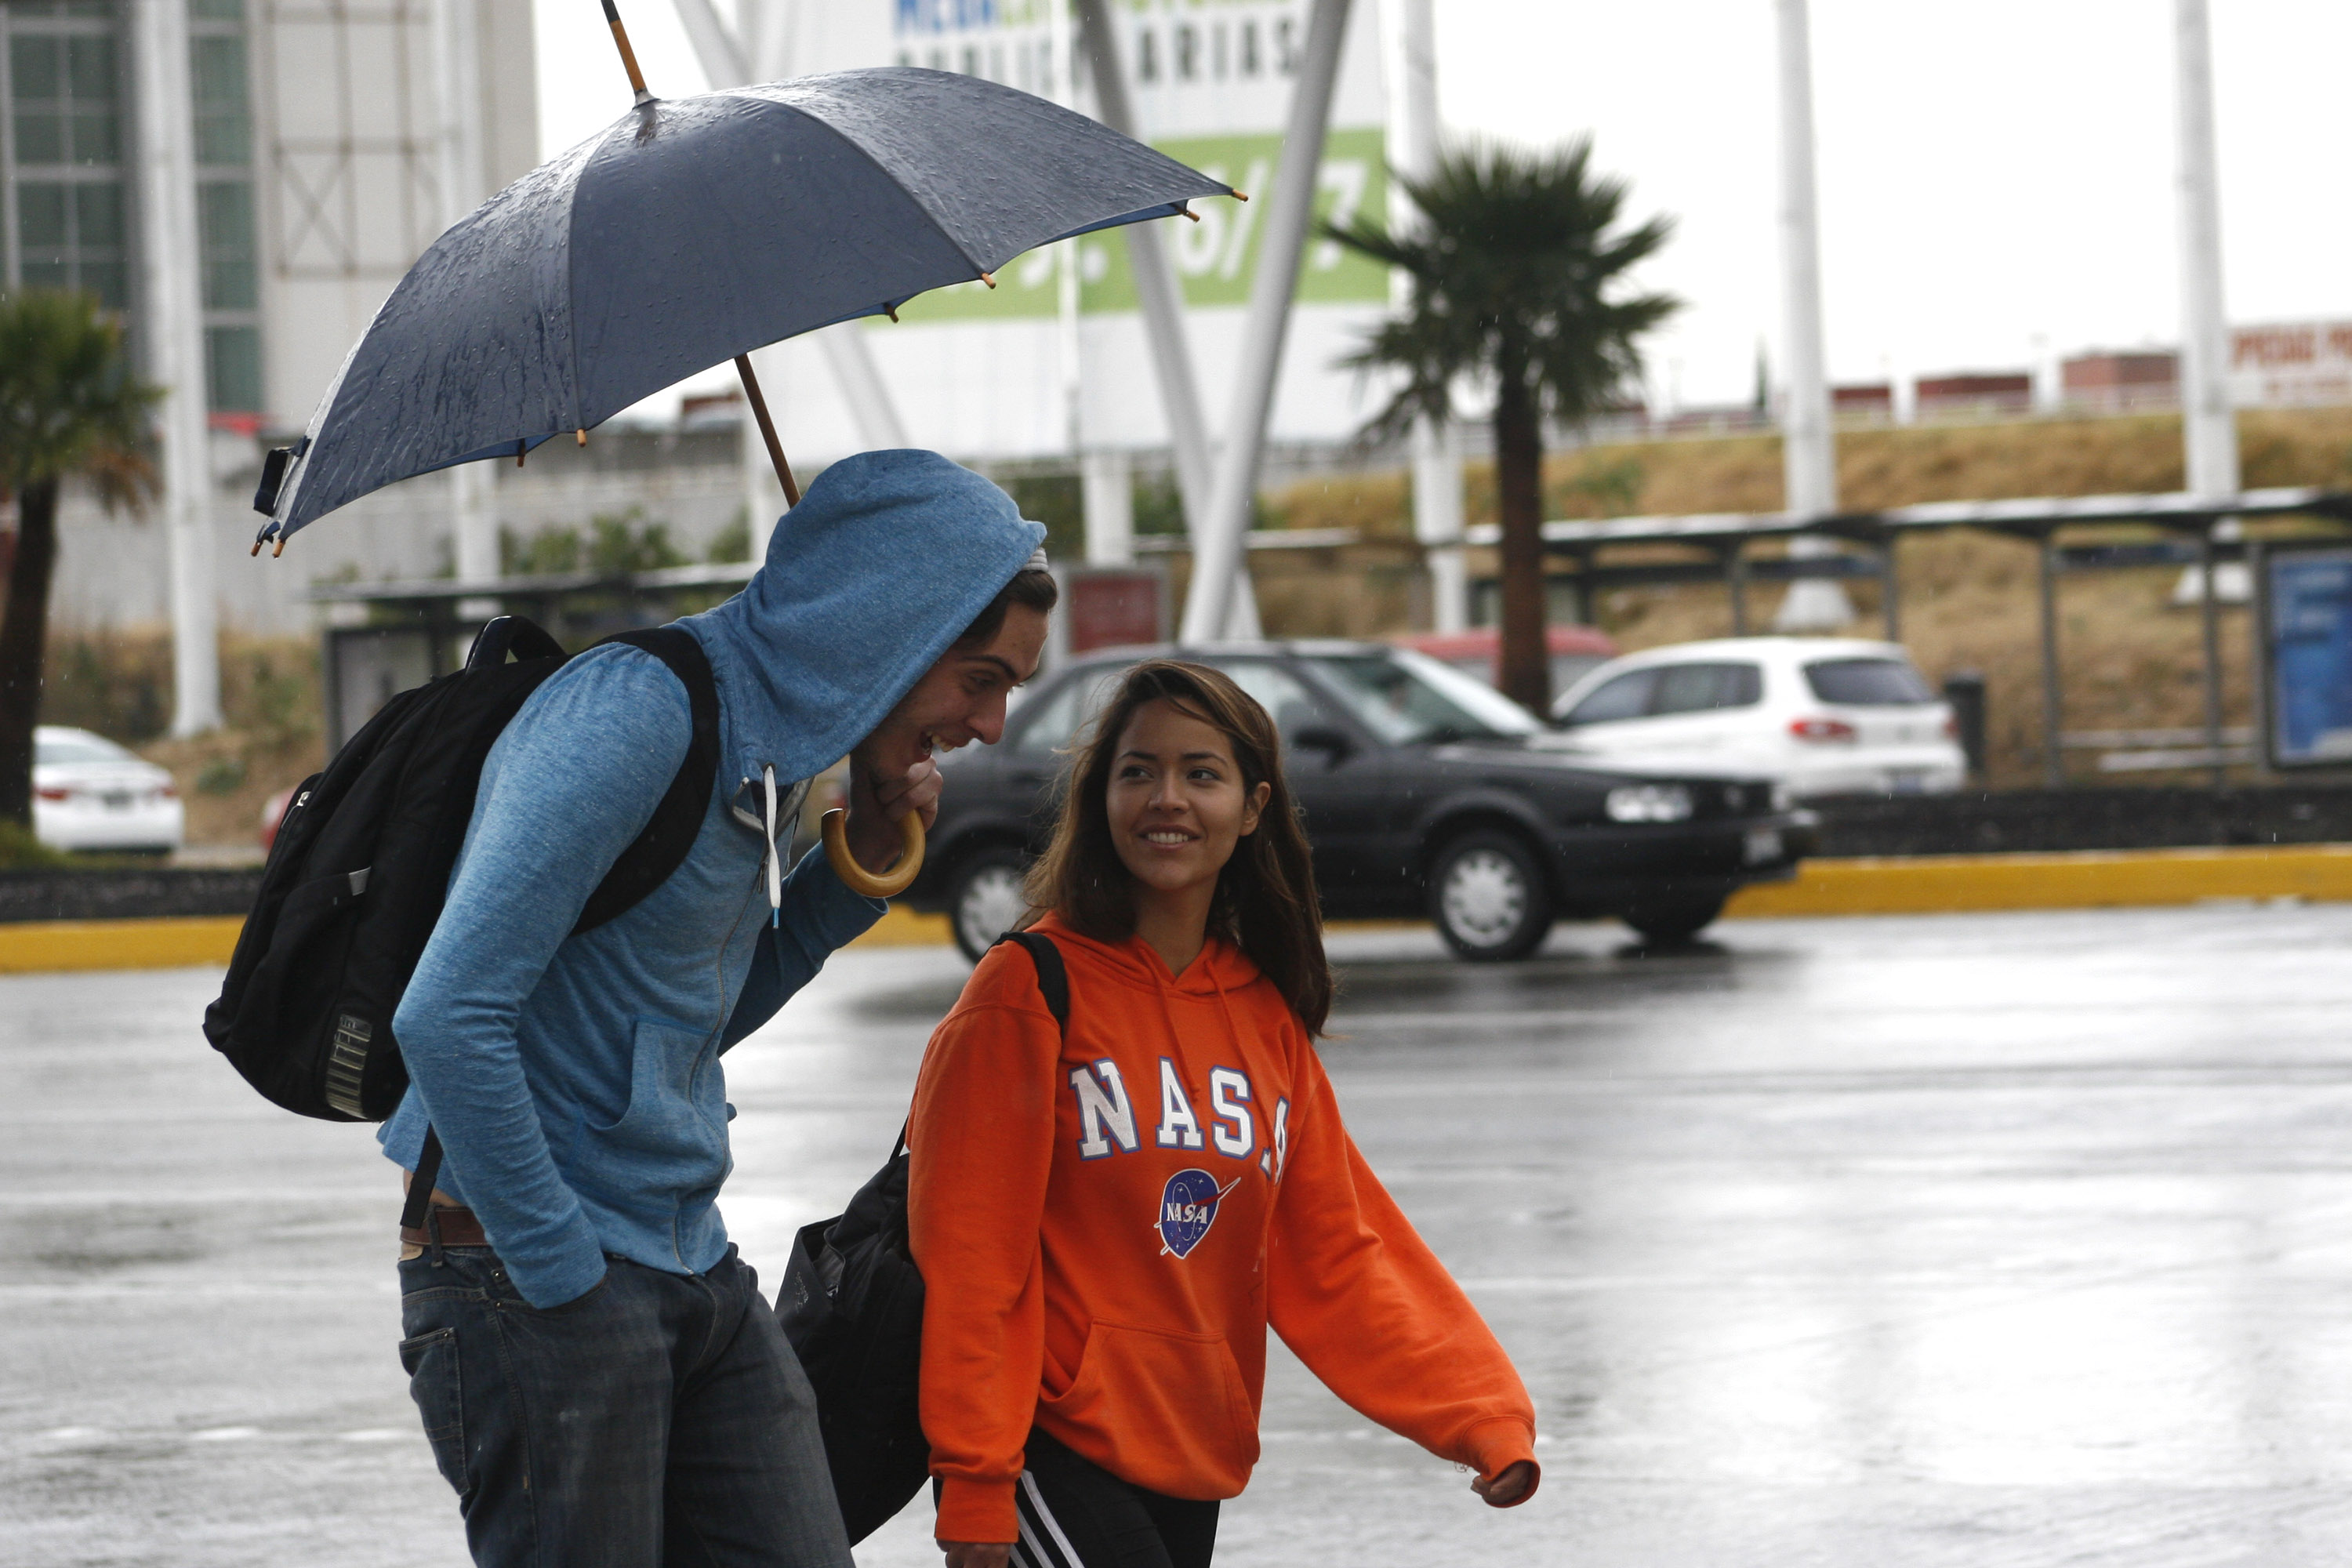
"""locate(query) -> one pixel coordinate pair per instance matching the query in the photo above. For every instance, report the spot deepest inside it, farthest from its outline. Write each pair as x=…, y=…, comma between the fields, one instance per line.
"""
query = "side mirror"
x=1325, y=738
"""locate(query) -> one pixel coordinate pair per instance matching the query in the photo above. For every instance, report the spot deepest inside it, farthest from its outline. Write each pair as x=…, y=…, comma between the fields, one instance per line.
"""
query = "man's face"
x=960, y=700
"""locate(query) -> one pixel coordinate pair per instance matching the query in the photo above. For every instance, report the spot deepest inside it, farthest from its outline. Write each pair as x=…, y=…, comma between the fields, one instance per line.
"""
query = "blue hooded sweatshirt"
x=574, y=1080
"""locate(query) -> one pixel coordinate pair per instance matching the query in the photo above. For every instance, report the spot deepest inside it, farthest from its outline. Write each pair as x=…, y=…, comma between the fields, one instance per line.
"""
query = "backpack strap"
x=662, y=847
x=1052, y=983
x=1053, y=976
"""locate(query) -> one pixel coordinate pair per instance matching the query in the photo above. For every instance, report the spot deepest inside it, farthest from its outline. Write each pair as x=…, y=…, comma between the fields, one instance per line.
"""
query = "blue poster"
x=2311, y=658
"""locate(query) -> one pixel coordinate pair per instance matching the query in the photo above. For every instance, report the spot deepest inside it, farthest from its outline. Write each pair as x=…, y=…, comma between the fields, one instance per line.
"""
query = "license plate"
x=1905, y=781
x=1763, y=845
x=115, y=801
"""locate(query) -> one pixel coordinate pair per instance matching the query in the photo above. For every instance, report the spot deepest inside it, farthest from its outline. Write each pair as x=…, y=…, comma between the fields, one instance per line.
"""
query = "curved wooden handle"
x=856, y=878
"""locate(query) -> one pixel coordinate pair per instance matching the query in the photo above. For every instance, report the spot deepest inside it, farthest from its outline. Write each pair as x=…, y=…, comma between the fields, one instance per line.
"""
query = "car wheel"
x=1671, y=921
x=1488, y=898
x=985, y=898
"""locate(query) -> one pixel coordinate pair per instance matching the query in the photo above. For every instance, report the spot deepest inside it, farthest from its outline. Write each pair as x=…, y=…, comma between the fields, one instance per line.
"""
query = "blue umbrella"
x=690, y=232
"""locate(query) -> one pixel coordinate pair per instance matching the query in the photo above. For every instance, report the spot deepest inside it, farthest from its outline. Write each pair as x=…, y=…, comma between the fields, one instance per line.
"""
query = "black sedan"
x=1426, y=792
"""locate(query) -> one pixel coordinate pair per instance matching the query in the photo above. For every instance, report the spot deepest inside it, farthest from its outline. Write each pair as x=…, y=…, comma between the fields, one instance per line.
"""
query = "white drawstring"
x=775, y=860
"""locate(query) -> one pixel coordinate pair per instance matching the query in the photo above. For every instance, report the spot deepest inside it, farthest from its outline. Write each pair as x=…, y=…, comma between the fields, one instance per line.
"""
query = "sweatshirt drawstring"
x=775, y=859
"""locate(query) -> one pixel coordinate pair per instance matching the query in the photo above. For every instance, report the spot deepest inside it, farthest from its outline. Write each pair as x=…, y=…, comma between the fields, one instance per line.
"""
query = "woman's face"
x=1177, y=803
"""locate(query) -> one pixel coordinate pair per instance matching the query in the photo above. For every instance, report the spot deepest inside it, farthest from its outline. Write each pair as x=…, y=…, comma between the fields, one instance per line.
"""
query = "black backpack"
x=852, y=1305
x=356, y=876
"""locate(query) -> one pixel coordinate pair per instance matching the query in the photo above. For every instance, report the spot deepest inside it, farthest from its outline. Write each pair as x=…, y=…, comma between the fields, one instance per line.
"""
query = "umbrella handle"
x=856, y=878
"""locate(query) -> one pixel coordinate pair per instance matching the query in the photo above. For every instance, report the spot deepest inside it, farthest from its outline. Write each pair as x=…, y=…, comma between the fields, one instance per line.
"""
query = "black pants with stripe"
x=1076, y=1514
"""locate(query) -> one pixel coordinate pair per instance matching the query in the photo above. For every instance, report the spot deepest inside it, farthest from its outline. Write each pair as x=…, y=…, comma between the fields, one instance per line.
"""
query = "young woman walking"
x=1107, y=1220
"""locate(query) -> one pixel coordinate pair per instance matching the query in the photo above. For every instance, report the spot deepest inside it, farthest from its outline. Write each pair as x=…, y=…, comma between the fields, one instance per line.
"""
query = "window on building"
x=225, y=228
x=233, y=369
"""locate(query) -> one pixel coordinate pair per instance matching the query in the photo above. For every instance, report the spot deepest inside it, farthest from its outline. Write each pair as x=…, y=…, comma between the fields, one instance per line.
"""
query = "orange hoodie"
x=1107, y=1223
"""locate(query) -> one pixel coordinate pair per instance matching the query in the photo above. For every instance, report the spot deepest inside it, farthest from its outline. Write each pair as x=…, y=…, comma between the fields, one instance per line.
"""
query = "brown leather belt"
x=459, y=1227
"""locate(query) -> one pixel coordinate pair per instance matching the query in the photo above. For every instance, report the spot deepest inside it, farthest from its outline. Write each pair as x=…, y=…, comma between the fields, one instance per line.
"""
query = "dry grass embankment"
x=119, y=683
x=2131, y=660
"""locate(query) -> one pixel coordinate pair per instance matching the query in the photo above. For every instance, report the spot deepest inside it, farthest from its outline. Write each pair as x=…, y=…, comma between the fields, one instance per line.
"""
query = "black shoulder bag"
x=852, y=1305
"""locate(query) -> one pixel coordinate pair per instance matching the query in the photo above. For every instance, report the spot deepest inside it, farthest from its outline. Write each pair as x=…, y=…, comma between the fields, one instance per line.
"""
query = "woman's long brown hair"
x=1265, y=901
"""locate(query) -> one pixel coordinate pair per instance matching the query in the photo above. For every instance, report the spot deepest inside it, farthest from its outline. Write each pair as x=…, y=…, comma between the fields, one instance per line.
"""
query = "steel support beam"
x=1218, y=546
x=1162, y=304
x=458, y=60
x=172, y=321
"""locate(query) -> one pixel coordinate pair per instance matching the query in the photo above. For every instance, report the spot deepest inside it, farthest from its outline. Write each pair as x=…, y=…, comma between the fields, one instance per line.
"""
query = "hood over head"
x=883, y=564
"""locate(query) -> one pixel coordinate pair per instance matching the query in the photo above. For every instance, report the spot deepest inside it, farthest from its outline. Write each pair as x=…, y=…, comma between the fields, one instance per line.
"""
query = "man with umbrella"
x=596, y=1371
x=598, y=1375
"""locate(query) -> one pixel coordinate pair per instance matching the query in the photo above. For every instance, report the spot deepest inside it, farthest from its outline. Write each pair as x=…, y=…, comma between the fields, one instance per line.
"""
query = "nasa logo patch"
x=1188, y=1208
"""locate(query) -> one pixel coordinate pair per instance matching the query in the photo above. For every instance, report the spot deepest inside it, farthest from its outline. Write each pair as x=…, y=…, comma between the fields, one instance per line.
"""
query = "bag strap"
x=1052, y=983
x=1053, y=976
x=420, y=1185
x=662, y=847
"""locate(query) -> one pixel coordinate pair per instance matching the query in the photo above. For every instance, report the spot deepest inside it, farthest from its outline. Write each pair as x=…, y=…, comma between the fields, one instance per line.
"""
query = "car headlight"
x=1649, y=803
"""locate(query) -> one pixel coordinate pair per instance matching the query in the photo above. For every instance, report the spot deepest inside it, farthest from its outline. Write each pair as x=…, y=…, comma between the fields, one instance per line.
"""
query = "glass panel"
x=35, y=67
x=220, y=101
x=1869, y=683
x=98, y=217
x=1405, y=697
x=1057, y=722
x=43, y=273
x=89, y=68
x=1698, y=688
x=1287, y=702
x=1627, y=697
x=233, y=369
x=96, y=137
x=76, y=747
x=41, y=216
x=216, y=10
x=40, y=138
x=224, y=218
x=106, y=279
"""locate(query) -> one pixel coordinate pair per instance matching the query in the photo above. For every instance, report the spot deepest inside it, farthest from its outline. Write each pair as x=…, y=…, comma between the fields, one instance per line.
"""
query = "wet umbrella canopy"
x=691, y=231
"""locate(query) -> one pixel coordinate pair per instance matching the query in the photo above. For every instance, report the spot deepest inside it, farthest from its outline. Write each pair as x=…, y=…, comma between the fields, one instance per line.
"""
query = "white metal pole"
x=2209, y=428
x=1808, y=460
x=1061, y=85
x=1436, y=451
x=172, y=319
x=457, y=47
x=1162, y=304
x=1217, y=549
x=1108, y=481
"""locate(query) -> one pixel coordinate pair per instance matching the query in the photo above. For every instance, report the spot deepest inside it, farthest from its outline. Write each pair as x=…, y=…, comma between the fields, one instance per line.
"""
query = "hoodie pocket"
x=666, y=1123
x=1170, y=1406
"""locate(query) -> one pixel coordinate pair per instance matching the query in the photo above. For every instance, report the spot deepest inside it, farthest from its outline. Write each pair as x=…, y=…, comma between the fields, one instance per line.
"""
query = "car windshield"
x=1868, y=683
x=66, y=749
x=1406, y=697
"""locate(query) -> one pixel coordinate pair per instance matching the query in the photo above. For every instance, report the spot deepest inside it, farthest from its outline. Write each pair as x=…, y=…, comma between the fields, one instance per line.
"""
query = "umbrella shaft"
x=768, y=430
x=628, y=55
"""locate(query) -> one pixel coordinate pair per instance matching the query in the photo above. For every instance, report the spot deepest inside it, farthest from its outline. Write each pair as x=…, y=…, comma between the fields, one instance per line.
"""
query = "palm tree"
x=1518, y=286
x=69, y=406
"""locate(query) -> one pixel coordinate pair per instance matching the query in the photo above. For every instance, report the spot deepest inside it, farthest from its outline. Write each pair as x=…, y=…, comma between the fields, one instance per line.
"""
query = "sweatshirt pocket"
x=665, y=1126
x=1167, y=1408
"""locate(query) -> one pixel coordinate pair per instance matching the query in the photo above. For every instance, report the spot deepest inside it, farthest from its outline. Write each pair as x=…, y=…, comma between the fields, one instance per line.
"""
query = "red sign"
x=1112, y=607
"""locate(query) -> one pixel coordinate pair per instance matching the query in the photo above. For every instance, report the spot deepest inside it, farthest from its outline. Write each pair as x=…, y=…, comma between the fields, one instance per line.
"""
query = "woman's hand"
x=977, y=1553
x=1512, y=1488
x=875, y=805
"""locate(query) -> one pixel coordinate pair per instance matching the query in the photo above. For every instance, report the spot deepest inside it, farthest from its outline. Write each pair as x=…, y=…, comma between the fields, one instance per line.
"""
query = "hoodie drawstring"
x=775, y=859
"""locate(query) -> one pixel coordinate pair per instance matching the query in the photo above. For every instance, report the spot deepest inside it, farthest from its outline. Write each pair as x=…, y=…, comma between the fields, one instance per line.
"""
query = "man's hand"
x=977, y=1553
x=1512, y=1488
x=875, y=805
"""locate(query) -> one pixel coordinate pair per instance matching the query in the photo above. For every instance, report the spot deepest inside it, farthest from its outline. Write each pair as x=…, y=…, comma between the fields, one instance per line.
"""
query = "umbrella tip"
x=1186, y=211
x=582, y=433
x=891, y=311
x=989, y=278
x=282, y=548
x=1241, y=195
x=255, y=549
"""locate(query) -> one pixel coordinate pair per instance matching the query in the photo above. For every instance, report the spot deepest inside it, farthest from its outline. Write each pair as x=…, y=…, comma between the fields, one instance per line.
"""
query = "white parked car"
x=91, y=793
x=1821, y=715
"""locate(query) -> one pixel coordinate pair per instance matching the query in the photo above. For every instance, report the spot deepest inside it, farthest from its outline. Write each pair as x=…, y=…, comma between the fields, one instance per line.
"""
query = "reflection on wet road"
x=1984, y=1240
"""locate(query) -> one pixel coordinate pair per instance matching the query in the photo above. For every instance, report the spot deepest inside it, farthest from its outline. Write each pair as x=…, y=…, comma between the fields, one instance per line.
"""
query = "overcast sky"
x=1995, y=178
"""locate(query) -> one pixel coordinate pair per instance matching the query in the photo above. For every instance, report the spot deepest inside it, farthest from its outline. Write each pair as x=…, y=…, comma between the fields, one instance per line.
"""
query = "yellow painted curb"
x=40, y=946
x=2086, y=879
x=901, y=927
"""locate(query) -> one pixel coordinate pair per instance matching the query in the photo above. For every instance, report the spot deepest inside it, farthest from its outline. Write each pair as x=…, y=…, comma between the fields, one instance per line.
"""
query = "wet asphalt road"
x=1986, y=1240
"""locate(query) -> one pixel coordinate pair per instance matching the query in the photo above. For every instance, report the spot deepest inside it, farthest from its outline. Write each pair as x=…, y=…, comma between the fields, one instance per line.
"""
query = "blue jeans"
x=661, y=1419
